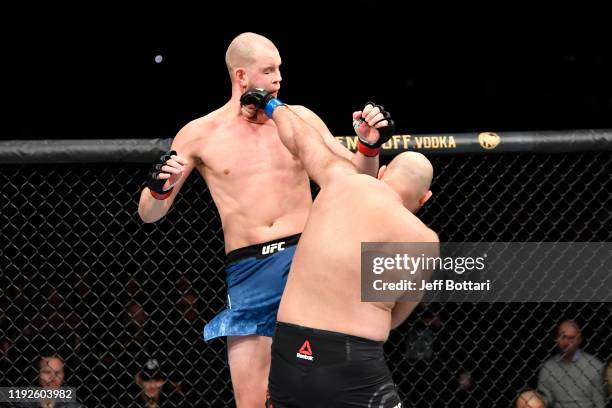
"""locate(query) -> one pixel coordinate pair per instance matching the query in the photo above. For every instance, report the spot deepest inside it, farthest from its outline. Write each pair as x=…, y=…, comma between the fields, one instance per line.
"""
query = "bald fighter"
x=263, y=197
x=328, y=345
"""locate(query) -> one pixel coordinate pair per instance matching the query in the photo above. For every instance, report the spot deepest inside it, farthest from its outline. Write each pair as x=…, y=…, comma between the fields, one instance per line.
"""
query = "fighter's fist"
x=258, y=97
x=165, y=173
x=261, y=99
x=373, y=125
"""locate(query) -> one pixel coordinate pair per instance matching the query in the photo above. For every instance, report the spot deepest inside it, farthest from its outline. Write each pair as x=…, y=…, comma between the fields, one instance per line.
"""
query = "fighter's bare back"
x=325, y=273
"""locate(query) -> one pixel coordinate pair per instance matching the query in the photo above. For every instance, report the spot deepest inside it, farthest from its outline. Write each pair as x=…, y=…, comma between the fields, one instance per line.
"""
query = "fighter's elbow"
x=147, y=220
x=395, y=323
x=148, y=217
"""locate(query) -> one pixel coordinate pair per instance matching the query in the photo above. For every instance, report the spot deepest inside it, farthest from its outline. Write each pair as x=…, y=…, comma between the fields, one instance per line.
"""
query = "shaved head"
x=244, y=50
x=569, y=338
x=414, y=166
x=410, y=175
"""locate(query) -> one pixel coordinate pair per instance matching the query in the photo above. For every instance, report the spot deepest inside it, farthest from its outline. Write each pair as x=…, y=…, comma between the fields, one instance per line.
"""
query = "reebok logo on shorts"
x=271, y=248
x=305, y=352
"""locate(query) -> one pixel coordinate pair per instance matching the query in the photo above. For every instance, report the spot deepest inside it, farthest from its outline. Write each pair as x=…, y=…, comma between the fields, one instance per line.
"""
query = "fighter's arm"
x=306, y=142
x=402, y=310
x=176, y=170
x=363, y=163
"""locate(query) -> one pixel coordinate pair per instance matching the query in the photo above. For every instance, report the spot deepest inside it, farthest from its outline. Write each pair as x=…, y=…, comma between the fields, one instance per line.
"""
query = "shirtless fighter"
x=263, y=197
x=327, y=347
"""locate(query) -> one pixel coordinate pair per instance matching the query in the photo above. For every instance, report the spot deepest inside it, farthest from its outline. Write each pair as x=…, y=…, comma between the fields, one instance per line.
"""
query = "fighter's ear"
x=425, y=197
x=381, y=172
x=241, y=76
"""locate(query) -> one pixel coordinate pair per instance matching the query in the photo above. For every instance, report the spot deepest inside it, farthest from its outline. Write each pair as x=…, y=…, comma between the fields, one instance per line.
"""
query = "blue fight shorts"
x=256, y=277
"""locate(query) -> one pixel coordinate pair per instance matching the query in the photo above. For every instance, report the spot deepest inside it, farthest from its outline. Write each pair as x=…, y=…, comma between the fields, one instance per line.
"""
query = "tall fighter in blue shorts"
x=262, y=193
x=327, y=349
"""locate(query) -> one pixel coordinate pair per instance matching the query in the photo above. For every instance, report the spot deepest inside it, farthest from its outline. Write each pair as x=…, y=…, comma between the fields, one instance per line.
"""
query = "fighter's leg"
x=249, y=360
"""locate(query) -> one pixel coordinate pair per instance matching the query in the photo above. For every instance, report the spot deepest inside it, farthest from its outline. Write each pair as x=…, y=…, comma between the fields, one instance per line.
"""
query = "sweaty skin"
x=326, y=271
x=260, y=189
x=323, y=289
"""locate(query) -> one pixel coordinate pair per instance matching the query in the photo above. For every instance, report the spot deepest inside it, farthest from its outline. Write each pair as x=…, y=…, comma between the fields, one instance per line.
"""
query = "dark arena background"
x=91, y=100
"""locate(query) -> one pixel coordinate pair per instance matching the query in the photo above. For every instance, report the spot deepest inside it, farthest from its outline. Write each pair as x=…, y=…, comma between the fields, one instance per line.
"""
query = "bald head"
x=410, y=175
x=569, y=338
x=530, y=399
x=568, y=326
x=51, y=371
x=244, y=50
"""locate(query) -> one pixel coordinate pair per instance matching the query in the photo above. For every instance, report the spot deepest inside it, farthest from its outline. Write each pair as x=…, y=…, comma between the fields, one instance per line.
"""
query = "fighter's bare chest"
x=246, y=150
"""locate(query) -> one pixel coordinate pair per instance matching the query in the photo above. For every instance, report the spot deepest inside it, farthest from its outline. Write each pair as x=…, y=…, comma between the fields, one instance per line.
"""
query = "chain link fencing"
x=83, y=277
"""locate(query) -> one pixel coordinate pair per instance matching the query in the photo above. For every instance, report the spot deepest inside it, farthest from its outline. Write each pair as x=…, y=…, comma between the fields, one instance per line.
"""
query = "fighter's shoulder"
x=300, y=109
x=411, y=227
x=421, y=231
x=364, y=182
x=429, y=235
x=305, y=113
x=203, y=125
x=199, y=128
x=352, y=184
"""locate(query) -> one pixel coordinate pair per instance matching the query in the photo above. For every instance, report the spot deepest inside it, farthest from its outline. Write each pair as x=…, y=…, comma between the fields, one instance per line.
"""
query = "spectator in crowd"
x=188, y=306
x=154, y=389
x=573, y=378
x=51, y=375
x=190, y=359
x=530, y=399
x=420, y=340
x=55, y=324
x=135, y=318
x=109, y=350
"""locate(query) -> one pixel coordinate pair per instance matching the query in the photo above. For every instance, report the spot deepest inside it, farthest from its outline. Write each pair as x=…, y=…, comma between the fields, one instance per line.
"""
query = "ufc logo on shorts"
x=271, y=248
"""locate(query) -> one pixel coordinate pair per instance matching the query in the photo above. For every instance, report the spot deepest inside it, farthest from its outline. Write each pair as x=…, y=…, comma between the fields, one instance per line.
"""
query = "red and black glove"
x=156, y=186
x=385, y=132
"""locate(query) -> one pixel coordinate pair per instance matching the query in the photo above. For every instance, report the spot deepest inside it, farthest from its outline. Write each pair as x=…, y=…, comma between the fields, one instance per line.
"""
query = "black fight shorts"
x=318, y=368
